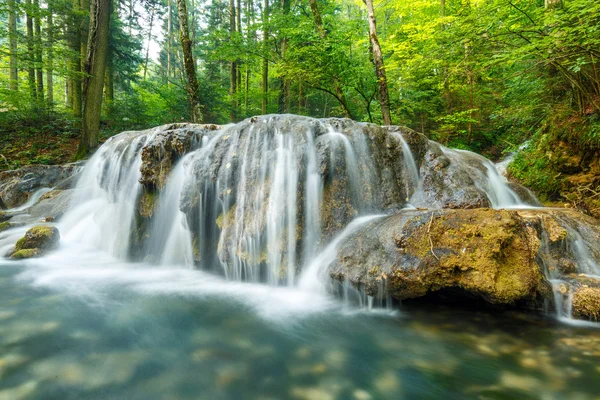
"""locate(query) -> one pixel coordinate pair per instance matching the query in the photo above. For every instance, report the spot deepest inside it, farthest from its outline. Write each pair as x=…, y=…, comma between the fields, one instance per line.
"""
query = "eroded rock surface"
x=16, y=186
x=500, y=256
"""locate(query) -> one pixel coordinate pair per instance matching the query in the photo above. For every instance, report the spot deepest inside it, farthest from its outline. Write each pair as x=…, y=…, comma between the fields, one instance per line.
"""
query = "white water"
x=266, y=187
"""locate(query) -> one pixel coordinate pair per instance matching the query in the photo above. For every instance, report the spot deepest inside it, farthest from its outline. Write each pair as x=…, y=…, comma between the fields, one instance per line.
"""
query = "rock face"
x=499, y=256
x=17, y=186
x=36, y=242
x=489, y=254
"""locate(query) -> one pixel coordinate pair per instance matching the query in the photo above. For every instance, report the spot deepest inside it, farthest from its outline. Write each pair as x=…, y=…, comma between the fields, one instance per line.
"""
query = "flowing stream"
x=223, y=291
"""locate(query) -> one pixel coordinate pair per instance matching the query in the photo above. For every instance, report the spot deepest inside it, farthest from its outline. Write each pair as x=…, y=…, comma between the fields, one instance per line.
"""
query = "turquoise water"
x=129, y=332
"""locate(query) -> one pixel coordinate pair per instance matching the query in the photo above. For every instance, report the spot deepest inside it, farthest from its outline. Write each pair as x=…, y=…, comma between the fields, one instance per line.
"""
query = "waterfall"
x=270, y=199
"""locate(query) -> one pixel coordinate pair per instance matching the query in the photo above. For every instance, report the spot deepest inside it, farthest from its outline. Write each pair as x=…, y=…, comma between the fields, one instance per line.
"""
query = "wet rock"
x=52, y=205
x=486, y=254
x=37, y=241
x=167, y=145
x=586, y=303
x=5, y=216
x=5, y=225
x=524, y=194
x=16, y=186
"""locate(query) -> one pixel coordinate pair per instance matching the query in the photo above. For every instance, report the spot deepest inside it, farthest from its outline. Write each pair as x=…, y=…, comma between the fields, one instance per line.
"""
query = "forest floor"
x=47, y=148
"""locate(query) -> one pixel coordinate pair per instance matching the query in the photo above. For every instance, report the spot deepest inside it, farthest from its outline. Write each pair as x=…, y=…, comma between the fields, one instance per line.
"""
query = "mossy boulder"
x=486, y=254
x=4, y=216
x=4, y=225
x=586, y=303
x=36, y=242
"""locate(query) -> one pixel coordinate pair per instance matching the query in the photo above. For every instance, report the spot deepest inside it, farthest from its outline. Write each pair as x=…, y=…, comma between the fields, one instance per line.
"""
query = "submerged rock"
x=36, y=242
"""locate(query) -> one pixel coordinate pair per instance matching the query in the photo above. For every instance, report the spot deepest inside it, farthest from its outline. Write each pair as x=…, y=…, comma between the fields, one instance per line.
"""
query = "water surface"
x=131, y=331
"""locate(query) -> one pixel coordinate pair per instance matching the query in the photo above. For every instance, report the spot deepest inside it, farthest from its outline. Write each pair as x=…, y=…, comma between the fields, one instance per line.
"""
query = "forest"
x=484, y=75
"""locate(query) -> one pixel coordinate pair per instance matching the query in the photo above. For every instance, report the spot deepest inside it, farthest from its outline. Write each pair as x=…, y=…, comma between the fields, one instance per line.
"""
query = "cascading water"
x=266, y=200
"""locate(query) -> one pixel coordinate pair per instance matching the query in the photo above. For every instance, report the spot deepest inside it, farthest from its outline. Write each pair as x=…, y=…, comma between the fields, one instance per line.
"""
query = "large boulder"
x=16, y=186
x=483, y=253
x=36, y=242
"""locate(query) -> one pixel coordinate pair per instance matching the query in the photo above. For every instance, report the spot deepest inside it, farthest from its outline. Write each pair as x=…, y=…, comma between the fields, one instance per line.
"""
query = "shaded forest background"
x=483, y=75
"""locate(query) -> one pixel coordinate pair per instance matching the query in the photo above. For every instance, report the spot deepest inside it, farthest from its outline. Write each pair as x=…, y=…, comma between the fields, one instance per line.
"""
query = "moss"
x=485, y=252
x=39, y=237
x=586, y=303
x=4, y=226
x=148, y=203
x=25, y=253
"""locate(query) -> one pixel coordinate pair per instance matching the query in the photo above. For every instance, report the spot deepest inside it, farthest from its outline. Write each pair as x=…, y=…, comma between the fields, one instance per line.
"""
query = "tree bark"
x=169, y=42
x=39, y=75
x=30, y=52
x=384, y=98
x=149, y=39
x=50, y=55
x=93, y=83
x=284, y=90
x=12, y=39
x=232, y=64
x=265, y=66
x=75, y=60
x=189, y=63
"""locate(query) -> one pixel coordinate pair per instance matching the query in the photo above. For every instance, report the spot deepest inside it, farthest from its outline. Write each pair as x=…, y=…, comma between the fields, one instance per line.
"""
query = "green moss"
x=25, y=253
x=39, y=237
x=586, y=303
x=4, y=226
x=148, y=203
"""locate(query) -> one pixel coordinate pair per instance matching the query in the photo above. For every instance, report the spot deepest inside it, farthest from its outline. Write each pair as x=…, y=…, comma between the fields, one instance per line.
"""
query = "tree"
x=12, y=38
x=384, y=98
x=189, y=63
x=93, y=82
x=50, y=54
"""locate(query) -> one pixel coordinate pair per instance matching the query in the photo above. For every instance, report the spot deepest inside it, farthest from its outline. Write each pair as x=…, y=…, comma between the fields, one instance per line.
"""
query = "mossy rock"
x=39, y=238
x=586, y=303
x=4, y=216
x=4, y=226
x=485, y=254
x=26, y=253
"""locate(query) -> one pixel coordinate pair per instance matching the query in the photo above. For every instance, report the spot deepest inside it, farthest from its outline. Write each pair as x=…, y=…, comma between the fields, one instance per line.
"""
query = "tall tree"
x=30, y=51
x=188, y=62
x=265, y=64
x=38, y=51
x=384, y=98
x=12, y=39
x=50, y=54
x=74, y=35
x=93, y=82
x=232, y=64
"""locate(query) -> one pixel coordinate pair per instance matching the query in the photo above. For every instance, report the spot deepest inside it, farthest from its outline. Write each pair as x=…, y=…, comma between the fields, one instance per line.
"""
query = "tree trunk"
x=93, y=82
x=109, y=85
x=75, y=60
x=265, y=66
x=384, y=98
x=38, y=52
x=30, y=52
x=168, y=42
x=50, y=56
x=149, y=39
x=232, y=64
x=284, y=82
x=12, y=39
x=188, y=62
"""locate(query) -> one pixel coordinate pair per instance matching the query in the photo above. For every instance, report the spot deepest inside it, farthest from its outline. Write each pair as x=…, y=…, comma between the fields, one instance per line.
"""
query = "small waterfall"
x=314, y=277
x=486, y=177
x=102, y=212
x=410, y=165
